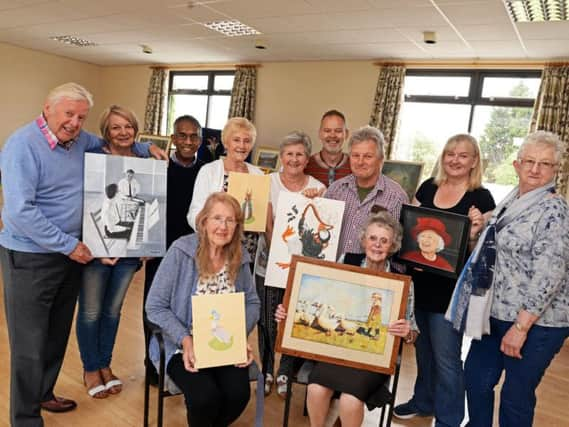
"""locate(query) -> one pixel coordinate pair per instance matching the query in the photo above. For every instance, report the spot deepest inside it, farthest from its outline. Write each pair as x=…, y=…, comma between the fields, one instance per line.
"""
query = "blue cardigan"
x=43, y=191
x=169, y=302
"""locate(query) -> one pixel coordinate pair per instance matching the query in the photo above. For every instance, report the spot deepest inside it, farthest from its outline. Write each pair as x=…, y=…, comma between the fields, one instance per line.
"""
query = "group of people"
x=513, y=293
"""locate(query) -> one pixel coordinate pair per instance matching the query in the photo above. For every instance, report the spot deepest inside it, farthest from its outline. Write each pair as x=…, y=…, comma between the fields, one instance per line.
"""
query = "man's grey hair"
x=542, y=137
x=72, y=91
x=368, y=133
x=297, y=137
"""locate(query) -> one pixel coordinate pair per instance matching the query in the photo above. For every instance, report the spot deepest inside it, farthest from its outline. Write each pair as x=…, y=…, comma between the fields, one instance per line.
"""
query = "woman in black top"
x=439, y=386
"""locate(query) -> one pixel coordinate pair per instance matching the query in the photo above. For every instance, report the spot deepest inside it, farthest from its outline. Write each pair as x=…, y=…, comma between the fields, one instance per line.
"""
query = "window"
x=206, y=95
x=493, y=106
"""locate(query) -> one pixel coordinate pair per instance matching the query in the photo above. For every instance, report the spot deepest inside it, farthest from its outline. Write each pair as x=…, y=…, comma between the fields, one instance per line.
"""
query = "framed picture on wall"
x=339, y=313
x=433, y=240
x=406, y=174
x=268, y=158
x=164, y=142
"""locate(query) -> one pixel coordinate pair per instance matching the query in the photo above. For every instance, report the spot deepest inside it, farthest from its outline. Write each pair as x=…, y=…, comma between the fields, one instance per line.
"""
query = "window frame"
x=474, y=97
x=209, y=92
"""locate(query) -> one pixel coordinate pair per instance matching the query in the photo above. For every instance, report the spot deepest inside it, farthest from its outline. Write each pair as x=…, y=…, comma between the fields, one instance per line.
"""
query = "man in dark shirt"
x=183, y=168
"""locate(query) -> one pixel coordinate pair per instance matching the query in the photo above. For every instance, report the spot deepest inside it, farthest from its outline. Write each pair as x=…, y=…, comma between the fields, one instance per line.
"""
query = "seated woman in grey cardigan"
x=211, y=261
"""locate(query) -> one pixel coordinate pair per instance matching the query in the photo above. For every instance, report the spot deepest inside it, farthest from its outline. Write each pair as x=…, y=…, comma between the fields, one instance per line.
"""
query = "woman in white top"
x=295, y=151
x=238, y=138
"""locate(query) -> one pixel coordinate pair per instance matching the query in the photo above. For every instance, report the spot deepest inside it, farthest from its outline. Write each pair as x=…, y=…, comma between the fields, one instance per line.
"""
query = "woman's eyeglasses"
x=220, y=221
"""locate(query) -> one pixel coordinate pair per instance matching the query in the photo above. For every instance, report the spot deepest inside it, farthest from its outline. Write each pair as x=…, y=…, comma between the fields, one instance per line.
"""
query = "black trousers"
x=215, y=397
x=40, y=292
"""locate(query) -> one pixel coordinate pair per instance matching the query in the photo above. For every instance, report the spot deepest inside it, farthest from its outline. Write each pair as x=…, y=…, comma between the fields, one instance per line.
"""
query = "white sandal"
x=94, y=391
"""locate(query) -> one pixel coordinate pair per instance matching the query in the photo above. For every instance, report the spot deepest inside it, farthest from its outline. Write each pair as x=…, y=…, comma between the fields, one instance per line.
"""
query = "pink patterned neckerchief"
x=50, y=136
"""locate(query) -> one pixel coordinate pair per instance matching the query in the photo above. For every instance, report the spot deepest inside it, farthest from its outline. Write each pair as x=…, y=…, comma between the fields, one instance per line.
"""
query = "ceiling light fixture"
x=232, y=28
x=146, y=49
x=537, y=10
x=74, y=41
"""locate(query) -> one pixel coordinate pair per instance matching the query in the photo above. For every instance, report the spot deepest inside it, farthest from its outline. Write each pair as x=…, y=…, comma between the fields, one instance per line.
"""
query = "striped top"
x=325, y=174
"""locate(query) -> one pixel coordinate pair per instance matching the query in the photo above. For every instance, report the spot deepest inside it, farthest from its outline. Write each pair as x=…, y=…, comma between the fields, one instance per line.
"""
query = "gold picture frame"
x=267, y=158
x=163, y=142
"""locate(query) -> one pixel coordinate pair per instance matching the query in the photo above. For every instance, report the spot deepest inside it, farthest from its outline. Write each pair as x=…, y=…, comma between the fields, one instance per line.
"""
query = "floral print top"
x=532, y=264
x=217, y=283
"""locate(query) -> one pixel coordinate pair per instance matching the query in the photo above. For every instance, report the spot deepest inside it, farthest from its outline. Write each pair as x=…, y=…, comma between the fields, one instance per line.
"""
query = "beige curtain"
x=387, y=102
x=244, y=93
x=155, y=101
x=551, y=113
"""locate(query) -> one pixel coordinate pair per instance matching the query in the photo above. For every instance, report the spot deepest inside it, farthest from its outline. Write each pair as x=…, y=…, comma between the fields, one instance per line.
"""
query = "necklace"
x=326, y=163
x=331, y=169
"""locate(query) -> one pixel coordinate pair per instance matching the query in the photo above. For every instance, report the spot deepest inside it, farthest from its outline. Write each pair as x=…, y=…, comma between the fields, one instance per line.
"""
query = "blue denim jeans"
x=101, y=296
x=484, y=366
x=439, y=386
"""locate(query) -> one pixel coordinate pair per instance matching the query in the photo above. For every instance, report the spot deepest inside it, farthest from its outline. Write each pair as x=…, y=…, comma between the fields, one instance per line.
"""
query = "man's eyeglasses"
x=193, y=137
x=529, y=164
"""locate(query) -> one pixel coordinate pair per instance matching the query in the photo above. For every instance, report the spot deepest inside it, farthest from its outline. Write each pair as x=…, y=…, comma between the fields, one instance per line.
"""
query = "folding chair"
x=167, y=388
x=384, y=396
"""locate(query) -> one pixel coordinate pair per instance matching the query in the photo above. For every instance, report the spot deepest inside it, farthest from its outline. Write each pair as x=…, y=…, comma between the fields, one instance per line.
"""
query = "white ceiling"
x=293, y=30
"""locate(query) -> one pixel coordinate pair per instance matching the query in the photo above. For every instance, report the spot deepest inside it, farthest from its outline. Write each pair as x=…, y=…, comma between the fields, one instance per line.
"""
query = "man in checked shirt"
x=365, y=188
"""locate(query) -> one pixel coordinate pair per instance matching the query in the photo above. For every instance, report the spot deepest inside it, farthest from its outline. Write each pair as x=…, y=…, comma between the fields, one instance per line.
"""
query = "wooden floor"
x=126, y=409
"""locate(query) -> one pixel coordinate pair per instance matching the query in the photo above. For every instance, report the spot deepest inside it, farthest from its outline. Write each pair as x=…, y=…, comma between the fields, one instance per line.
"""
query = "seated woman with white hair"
x=380, y=239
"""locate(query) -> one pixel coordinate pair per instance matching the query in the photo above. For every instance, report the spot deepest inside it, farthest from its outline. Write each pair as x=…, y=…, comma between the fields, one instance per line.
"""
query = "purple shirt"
x=386, y=193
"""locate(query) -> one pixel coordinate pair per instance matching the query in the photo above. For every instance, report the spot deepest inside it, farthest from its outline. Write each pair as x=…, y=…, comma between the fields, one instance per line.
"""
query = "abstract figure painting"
x=219, y=331
x=252, y=193
x=340, y=313
x=307, y=227
x=124, y=206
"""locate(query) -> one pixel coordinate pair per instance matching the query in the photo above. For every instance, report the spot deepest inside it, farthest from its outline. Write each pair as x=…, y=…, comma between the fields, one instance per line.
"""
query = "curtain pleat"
x=387, y=103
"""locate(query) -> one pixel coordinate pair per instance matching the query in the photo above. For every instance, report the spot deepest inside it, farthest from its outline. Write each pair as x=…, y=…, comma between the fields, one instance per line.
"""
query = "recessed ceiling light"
x=232, y=28
x=537, y=10
x=74, y=41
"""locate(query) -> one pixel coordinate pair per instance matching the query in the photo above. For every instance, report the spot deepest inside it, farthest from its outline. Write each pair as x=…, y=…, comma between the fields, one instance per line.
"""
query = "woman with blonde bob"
x=238, y=137
x=456, y=188
x=105, y=280
x=211, y=261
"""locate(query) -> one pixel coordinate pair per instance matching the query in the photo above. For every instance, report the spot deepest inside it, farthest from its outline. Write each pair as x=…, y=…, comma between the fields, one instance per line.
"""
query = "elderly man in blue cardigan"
x=40, y=248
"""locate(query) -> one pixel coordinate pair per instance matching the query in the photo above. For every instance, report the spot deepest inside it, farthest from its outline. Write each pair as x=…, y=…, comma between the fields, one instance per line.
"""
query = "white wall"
x=26, y=76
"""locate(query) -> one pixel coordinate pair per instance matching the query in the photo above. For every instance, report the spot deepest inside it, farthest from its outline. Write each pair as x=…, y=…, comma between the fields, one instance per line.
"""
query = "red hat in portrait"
x=432, y=224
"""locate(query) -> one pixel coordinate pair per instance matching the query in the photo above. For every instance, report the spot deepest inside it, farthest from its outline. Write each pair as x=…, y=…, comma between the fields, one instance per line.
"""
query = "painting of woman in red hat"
x=431, y=237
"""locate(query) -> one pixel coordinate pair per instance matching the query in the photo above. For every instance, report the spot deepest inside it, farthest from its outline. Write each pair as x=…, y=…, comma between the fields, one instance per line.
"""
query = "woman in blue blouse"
x=528, y=295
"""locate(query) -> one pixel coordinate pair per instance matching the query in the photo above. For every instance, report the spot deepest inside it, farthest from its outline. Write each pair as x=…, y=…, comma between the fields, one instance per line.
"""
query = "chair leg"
x=146, y=399
x=382, y=417
x=161, y=393
x=288, y=397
